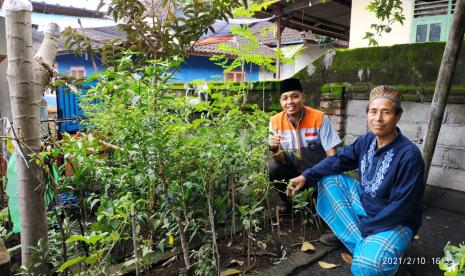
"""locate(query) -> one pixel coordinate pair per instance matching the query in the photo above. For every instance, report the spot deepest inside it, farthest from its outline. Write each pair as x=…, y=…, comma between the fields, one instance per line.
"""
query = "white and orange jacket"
x=305, y=145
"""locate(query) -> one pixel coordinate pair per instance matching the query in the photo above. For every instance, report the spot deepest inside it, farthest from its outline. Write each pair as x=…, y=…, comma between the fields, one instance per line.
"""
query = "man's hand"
x=275, y=142
x=297, y=184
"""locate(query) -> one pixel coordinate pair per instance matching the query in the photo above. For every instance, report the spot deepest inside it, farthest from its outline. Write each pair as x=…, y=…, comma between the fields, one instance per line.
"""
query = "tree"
x=27, y=78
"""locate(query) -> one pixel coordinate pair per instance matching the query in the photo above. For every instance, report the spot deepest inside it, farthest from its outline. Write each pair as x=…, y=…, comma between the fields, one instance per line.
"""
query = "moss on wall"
x=412, y=68
x=333, y=91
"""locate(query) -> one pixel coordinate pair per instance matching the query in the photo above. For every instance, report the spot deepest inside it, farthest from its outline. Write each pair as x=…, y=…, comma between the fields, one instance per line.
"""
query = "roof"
x=97, y=36
x=42, y=7
x=324, y=17
x=288, y=36
x=210, y=49
x=44, y=13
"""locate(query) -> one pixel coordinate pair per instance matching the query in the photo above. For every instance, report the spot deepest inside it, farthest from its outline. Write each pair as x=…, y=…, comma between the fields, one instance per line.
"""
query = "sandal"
x=330, y=239
x=283, y=207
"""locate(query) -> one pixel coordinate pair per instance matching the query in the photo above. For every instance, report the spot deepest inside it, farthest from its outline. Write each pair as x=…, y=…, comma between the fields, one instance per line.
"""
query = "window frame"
x=242, y=75
x=443, y=19
x=77, y=68
x=428, y=21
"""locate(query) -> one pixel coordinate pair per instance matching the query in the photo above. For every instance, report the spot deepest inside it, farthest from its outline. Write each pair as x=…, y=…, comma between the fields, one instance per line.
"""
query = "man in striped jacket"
x=301, y=137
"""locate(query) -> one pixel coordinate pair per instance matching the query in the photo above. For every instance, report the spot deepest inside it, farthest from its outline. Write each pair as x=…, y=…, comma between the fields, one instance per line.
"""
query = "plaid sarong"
x=339, y=205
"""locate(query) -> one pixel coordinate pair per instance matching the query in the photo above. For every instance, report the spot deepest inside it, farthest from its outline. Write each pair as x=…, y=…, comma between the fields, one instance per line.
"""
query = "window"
x=435, y=32
x=78, y=71
x=431, y=19
x=429, y=30
x=421, y=33
x=234, y=76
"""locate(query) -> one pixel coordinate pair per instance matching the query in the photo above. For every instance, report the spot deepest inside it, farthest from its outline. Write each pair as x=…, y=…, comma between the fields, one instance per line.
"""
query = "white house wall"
x=264, y=75
x=310, y=53
x=4, y=92
x=361, y=20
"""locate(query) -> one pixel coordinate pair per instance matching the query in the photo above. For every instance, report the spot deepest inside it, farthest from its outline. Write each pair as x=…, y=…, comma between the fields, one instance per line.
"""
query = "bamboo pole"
x=278, y=46
x=134, y=239
x=441, y=92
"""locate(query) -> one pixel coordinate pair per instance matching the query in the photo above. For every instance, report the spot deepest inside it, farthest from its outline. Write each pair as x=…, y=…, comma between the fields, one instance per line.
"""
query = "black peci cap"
x=290, y=85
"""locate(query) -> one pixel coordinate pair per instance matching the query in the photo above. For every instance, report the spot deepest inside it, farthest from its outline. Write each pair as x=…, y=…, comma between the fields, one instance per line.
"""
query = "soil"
x=267, y=248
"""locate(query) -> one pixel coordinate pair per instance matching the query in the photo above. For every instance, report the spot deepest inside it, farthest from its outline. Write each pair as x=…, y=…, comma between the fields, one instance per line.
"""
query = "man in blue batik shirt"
x=376, y=218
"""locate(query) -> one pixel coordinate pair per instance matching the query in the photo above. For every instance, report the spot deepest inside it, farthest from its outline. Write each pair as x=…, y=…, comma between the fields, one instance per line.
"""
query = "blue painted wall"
x=200, y=67
x=66, y=61
x=194, y=67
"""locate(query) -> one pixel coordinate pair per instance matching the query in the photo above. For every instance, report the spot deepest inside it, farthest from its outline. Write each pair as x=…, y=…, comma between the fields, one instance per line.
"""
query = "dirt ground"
x=267, y=248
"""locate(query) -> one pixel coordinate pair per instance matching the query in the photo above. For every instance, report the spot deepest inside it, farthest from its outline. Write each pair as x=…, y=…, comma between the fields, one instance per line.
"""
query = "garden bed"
x=267, y=249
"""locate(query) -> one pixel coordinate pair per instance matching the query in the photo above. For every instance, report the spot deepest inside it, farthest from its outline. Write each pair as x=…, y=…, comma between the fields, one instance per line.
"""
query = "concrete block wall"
x=448, y=165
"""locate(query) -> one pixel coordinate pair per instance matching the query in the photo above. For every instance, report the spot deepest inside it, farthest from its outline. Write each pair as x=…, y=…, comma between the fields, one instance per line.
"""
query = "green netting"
x=49, y=193
x=13, y=196
x=12, y=193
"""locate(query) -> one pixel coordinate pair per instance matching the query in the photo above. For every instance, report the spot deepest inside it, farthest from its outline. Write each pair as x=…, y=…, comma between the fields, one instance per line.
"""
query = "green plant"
x=205, y=260
x=4, y=233
x=170, y=157
x=300, y=204
x=388, y=12
x=39, y=256
x=453, y=262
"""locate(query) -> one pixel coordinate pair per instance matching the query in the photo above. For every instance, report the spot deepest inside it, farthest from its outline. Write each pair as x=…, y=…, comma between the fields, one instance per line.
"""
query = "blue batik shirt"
x=391, y=180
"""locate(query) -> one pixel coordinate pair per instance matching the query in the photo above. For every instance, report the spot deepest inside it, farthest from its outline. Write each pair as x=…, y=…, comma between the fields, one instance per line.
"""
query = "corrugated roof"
x=288, y=36
x=48, y=8
x=329, y=18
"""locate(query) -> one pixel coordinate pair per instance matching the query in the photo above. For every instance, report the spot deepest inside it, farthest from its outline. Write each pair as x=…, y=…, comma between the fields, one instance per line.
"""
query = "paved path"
x=439, y=227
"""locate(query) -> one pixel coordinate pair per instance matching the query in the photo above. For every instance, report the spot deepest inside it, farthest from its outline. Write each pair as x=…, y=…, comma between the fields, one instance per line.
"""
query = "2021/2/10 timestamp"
x=413, y=260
